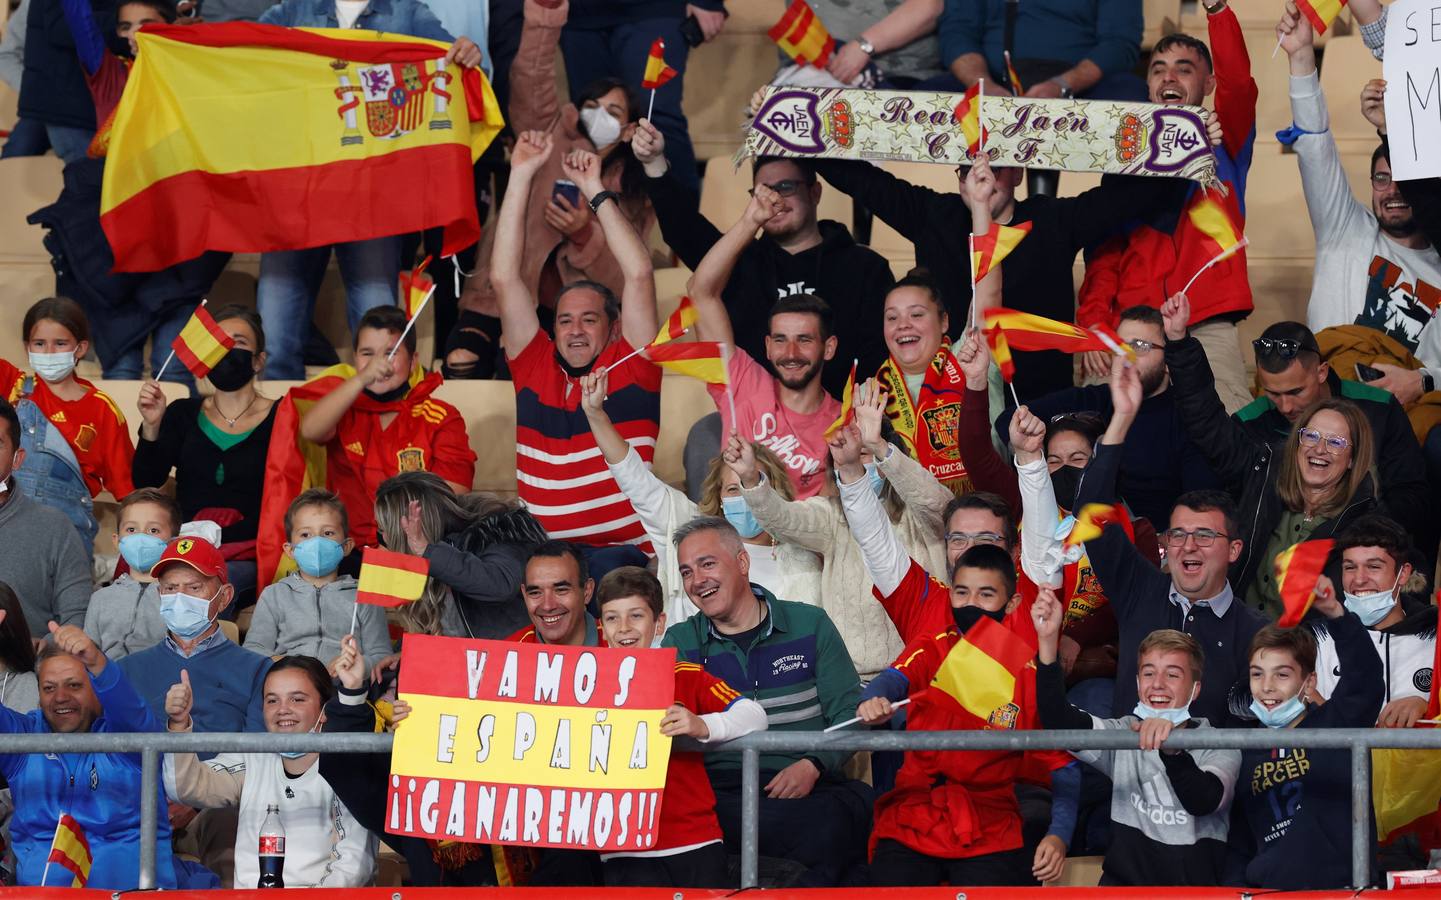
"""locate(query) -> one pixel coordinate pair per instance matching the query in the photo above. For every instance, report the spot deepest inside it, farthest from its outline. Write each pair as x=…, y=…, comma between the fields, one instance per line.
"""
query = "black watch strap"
x=600, y=198
x=1428, y=383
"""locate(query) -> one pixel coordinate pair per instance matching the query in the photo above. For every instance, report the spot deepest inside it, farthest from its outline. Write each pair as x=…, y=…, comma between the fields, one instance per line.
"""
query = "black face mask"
x=1066, y=481
x=574, y=371
x=235, y=370
x=967, y=616
x=391, y=395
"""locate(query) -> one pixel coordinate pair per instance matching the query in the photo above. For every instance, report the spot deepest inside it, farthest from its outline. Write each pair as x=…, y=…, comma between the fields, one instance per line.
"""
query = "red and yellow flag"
x=987, y=250
x=1297, y=568
x=201, y=344
x=1320, y=13
x=968, y=116
x=699, y=359
x=71, y=850
x=1092, y=520
x=979, y=675
x=414, y=285
x=1031, y=332
x=388, y=578
x=1013, y=77
x=1001, y=352
x=657, y=72
x=1213, y=220
x=848, y=412
x=250, y=138
x=677, y=322
x=802, y=36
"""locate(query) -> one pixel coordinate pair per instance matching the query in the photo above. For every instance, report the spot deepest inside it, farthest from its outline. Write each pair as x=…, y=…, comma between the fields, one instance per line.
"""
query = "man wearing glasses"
x=1374, y=266
x=1194, y=597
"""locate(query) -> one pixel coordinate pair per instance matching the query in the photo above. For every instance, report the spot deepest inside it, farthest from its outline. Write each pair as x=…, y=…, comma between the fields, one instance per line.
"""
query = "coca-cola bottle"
x=272, y=849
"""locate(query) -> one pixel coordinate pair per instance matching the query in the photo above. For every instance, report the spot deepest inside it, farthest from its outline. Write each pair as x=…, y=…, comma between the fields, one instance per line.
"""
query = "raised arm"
x=1042, y=555
x=980, y=184
x=912, y=20
x=518, y=321
x=805, y=523
x=535, y=106
x=713, y=322
x=592, y=402
x=637, y=302
x=923, y=496
x=1236, y=90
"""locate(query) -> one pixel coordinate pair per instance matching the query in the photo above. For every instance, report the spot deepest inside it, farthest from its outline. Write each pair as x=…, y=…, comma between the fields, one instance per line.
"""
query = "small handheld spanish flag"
x=979, y=676
x=70, y=850
x=414, y=286
x=1320, y=13
x=200, y=345
x=657, y=72
x=987, y=250
x=1013, y=77
x=1297, y=569
x=699, y=359
x=1215, y=222
x=677, y=323
x=968, y=116
x=390, y=579
x=1092, y=520
x=1001, y=352
x=1032, y=332
x=802, y=36
x=848, y=411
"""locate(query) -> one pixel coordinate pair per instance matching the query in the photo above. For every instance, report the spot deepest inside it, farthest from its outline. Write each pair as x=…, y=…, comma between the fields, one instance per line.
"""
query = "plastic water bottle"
x=272, y=849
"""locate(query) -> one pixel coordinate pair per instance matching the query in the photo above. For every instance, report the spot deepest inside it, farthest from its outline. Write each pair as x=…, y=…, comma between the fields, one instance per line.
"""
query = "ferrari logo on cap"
x=184, y=546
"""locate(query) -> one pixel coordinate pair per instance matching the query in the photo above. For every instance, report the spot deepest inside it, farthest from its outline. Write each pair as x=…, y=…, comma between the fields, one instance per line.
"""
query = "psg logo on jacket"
x=1422, y=680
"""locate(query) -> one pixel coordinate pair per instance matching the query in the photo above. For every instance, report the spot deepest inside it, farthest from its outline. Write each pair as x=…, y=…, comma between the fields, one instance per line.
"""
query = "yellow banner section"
x=190, y=108
x=534, y=744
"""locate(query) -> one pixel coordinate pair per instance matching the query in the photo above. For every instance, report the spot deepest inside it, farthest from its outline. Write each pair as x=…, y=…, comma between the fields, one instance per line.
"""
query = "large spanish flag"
x=802, y=36
x=251, y=138
x=1297, y=568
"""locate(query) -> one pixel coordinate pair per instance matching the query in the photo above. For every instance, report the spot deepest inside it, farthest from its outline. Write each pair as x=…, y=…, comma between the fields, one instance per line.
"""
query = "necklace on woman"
x=215, y=404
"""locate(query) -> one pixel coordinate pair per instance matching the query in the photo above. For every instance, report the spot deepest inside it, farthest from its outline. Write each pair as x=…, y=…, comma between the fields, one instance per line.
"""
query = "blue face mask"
x=1282, y=715
x=1372, y=608
x=1177, y=717
x=874, y=474
x=141, y=551
x=296, y=754
x=185, y=616
x=317, y=556
x=739, y=514
x=53, y=367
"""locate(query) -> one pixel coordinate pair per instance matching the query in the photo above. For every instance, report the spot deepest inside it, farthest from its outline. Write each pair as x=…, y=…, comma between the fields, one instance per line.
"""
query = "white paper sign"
x=1413, y=88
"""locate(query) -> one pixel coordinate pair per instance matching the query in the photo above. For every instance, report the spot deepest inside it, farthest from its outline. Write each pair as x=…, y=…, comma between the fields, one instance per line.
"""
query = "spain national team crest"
x=1003, y=718
x=942, y=423
x=397, y=98
x=411, y=459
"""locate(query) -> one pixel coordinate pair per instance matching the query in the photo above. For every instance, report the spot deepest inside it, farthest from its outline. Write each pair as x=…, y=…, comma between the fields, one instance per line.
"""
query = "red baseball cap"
x=195, y=552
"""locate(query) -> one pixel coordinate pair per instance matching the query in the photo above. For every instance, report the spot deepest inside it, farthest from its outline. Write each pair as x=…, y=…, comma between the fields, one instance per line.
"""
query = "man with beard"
x=562, y=475
x=787, y=412
x=1162, y=251
x=1158, y=462
x=792, y=660
x=1374, y=266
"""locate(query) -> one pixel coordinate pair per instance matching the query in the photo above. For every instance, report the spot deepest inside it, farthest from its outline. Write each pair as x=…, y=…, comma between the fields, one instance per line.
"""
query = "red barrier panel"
x=935, y=893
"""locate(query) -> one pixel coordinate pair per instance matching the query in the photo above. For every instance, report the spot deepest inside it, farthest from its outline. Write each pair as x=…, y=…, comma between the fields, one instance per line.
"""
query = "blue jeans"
x=27, y=138
x=290, y=280
x=69, y=143
x=129, y=365
x=621, y=52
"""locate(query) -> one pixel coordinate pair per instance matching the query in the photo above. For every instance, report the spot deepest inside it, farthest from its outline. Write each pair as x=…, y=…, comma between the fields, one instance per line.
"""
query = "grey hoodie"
x=124, y=617
x=293, y=617
x=42, y=560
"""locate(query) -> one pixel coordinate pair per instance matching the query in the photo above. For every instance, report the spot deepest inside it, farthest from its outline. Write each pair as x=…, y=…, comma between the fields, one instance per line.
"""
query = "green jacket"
x=798, y=669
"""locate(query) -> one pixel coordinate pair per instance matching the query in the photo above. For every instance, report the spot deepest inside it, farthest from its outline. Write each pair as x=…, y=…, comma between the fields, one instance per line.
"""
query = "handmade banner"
x=920, y=126
x=1413, y=88
x=530, y=744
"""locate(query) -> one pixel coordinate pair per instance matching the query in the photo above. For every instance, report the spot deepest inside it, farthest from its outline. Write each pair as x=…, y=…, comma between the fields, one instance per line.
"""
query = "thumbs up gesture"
x=178, y=702
x=73, y=640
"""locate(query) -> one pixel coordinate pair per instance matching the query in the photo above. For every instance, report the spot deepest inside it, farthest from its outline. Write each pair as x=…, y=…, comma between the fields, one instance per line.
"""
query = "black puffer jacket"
x=1247, y=467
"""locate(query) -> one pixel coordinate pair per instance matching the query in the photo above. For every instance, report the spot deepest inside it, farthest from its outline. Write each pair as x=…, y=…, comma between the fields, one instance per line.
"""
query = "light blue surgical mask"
x=738, y=513
x=874, y=474
x=53, y=367
x=1283, y=715
x=141, y=551
x=186, y=616
x=1177, y=717
x=1372, y=608
x=317, y=556
x=296, y=754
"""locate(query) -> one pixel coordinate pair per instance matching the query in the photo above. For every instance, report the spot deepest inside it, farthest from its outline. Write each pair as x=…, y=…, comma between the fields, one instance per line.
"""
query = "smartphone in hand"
x=1368, y=373
x=568, y=189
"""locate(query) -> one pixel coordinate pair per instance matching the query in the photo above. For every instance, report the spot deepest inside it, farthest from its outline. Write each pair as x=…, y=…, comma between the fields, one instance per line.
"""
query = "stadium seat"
x=669, y=289
x=1161, y=18
x=26, y=183
x=1273, y=79
x=720, y=78
x=8, y=102
x=21, y=284
x=1276, y=222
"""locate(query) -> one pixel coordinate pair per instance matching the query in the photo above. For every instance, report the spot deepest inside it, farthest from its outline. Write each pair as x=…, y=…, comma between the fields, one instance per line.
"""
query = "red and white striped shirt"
x=561, y=474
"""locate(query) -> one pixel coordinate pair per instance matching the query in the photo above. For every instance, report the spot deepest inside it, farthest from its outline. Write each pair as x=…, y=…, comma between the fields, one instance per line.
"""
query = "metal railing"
x=1359, y=741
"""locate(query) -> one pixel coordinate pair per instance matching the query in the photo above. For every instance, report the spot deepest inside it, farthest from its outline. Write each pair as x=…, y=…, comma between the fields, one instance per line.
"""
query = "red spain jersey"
x=921, y=606
x=687, y=812
x=425, y=435
x=560, y=472
x=93, y=425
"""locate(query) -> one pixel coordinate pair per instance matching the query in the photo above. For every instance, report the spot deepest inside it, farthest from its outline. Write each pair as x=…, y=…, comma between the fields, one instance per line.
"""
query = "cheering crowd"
x=875, y=531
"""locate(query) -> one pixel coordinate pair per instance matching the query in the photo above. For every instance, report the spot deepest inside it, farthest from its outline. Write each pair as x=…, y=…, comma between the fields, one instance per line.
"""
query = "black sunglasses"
x=1285, y=348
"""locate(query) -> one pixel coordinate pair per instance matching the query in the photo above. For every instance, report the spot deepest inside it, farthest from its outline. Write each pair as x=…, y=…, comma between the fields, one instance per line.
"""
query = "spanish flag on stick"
x=388, y=578
x=848, y=411
x=1031, y=332
x=677, y=323
x=414, y=286
x=657, y=72
x=1320, y=13
x=968, y=116
x=802, y=36
x=1001, y=353
x=200, y=345
x=1297, y=569
x=980, y=675
x=1216, y=222
x=70, y=850
x=987, y=250
x=1092, y=520
x=378, y=140
x=698, y=359
x=1013, y=77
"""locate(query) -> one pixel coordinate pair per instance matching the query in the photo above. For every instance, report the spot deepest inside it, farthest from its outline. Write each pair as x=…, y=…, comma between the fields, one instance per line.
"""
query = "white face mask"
x=600, y=126
x=1372, y=608
x=53, y=367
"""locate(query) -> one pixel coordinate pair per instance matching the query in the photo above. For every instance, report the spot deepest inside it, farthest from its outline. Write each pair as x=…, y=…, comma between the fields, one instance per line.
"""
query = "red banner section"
x=935, y=893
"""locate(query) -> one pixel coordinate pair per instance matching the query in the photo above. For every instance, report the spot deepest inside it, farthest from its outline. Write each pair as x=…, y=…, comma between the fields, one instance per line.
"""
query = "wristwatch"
x=600, y=198
x=866, y=46
x=1428, y=383
x=1060, y=81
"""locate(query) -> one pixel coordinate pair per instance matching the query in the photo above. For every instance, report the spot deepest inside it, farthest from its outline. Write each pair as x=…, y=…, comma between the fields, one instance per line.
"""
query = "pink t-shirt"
x=799, y=440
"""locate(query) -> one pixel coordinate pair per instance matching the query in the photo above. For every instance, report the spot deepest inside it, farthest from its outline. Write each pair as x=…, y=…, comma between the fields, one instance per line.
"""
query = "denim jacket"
x=404, y=17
